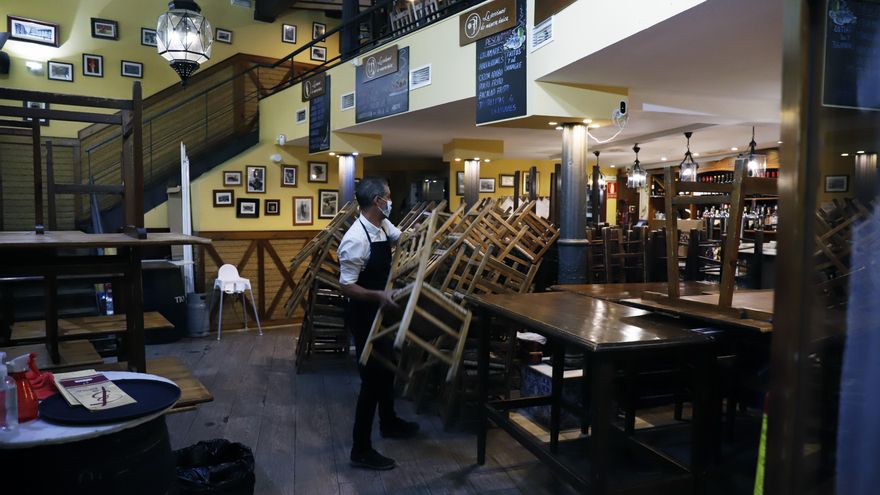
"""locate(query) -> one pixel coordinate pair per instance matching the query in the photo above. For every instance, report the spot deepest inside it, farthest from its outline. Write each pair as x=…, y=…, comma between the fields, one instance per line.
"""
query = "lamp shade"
x=184, y=37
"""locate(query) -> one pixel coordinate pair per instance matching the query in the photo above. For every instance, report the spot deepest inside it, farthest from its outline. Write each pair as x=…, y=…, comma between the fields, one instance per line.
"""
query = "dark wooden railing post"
x=133, y=165
x=50, y=187
x=39, y=226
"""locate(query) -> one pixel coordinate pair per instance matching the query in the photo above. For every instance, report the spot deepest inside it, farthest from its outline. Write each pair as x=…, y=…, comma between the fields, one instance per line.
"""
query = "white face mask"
x=386, y=211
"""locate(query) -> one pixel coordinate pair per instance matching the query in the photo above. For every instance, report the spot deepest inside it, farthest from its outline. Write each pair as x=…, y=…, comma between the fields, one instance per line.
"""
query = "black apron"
x=374, y=276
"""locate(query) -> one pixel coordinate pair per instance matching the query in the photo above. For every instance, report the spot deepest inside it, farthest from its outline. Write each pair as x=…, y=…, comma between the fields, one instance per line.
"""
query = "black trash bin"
x=218, y=467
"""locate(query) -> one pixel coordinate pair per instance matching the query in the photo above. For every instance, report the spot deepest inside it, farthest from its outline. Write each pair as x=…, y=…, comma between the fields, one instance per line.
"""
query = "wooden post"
x=533, y=184
x=39, y=226
x=671, y=234
x=517, y=178
x=134, y=311
x=133, y=165
x=731, y=243
x=50, y=187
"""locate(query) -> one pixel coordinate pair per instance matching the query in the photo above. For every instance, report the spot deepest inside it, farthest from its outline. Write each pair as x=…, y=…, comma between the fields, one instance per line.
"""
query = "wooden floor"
x=299, y=427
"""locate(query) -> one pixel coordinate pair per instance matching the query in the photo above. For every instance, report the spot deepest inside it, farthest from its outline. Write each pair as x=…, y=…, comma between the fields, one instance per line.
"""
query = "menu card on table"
x=91, y=389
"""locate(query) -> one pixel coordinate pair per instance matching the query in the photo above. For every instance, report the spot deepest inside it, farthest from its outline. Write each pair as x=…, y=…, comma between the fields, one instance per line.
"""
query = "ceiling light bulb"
x=332, y=154
x=734, y=149
x=844, y=154
x=559, y=128
x=458, y=159
x=588, y=121
x=696, y=154
x=476, y=158
x=663, y=159
x=778, y=142
x=860, y=152
x=552, y=123
x=487, y=160
x=354, y=153
x=612, y=166
x=595, y=126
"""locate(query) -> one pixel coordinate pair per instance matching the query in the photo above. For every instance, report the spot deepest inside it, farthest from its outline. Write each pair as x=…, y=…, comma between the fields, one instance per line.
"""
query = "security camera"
x=621, y=108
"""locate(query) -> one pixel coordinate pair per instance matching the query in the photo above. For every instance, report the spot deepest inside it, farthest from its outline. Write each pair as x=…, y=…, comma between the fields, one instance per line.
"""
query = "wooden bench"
x=84, y=327
x=192, y=391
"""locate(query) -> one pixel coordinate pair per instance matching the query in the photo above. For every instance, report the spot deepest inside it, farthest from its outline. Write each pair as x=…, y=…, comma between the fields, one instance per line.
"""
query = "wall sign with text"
x=380, y=64
x=852, y=72
x=501, y=72
x=319, y=120
x=384, y=95
x=314, y=86
x=486, y=20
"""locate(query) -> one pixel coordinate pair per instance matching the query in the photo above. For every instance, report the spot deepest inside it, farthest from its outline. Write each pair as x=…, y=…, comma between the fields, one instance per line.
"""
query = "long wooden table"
x=618, y=292
x=85, y=326
x=607, y=333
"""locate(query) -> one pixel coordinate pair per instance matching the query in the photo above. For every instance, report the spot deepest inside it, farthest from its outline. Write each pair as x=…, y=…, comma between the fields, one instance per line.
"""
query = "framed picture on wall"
x=318, y=172
x=256, y=179
x=231, y=178
x=318, y=54
x=32, y=30
x=459, y=183
x=318, y=30
x=93, y=65
x=105, y=29
x=247, y=208
x=525, y=181
x=302, y=210
x=224, y=198
x=328, y=203
x=60, y=71
x=289, y=174
x=41, y=105
x=223, y=36
x=487, y=185
x=836, y=183
x=148, y=37
x=288, y=33
x=505, y=180
x=132, y=69
x=273, y=207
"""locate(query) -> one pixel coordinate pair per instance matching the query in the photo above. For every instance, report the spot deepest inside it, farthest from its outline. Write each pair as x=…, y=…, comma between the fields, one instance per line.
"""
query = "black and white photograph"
x=93, y=65
x=525, y=181
x=318, y=30
x=223, y=36
x=231, y=178
x=42, y=105
x=132, y=69
x=148, y=37
x=487, y=185
x=328, y=203
x=224, y=198
x=247, y=208
x=288, y=33
x=459, y=183
x=302, y=210
x=105, y=29
x=256, y=179
x=289, y=174
x=318, y=53
x=836, y=183
x=505, y=180
x=273, y=207
x=32, y=31
x=318, y=172
x=60, y=71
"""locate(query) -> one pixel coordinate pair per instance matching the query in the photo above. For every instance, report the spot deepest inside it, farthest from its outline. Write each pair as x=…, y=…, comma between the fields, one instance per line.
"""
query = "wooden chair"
x=625, y=255
x=596, y=270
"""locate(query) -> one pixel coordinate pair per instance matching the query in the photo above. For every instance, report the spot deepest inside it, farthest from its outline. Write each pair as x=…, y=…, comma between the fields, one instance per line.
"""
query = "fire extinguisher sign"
x=612, y=190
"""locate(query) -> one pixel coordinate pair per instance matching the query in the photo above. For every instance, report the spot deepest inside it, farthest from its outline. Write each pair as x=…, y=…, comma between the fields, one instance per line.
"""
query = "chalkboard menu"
x=319, y=121
x=383, y=96
x=501, y=72
x=852, y=67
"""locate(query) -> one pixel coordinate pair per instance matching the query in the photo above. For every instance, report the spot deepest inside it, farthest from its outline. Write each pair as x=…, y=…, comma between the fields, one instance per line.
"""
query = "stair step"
x=88, y=326
x=74, y=354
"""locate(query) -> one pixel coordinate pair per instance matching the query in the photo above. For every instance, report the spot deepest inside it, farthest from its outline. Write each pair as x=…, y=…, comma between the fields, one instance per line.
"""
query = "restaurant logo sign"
x=314, y=87
x=380, y=63
x=486, y=20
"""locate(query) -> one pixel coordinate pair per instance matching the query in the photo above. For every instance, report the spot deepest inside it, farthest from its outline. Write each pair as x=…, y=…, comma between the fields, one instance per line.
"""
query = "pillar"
x=573, y=206
x=346, y=178
x=471, y=182
x=348, y=37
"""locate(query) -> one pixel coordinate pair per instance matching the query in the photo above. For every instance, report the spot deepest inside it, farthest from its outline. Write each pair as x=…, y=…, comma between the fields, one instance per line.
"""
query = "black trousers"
x=377, y=383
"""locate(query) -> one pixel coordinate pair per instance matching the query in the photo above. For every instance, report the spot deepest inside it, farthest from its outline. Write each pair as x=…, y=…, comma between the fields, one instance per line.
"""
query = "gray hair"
x=368, y=189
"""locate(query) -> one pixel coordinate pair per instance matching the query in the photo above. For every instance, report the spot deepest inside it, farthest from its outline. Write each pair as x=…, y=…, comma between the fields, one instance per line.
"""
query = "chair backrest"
x=227, y=273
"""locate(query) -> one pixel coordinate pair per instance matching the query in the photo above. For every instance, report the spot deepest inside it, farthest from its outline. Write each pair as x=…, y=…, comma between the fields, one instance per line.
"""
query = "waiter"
x=364, y=264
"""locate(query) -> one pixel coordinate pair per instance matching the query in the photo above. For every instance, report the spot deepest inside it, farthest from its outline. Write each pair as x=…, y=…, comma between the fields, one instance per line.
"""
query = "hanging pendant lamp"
x=688, y=166
x=637, y=176
x=598, y=172
x=184, y=37
x=757, y=164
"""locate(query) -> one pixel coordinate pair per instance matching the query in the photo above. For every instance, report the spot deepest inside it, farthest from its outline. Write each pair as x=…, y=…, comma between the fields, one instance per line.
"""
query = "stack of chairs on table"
x=833, y=236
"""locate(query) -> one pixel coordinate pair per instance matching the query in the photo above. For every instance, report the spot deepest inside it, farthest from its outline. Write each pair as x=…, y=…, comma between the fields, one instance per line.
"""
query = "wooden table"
x=606, y=332
x=618, y=292
x=751, y=310
x=85, y=326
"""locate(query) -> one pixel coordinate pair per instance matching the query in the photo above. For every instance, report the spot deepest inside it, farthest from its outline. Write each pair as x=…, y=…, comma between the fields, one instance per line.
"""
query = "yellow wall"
x=496, y=167
x=74, y=18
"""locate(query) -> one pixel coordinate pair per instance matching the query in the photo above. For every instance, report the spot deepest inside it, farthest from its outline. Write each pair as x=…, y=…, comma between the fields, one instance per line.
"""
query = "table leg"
x=706, y=416
x=134, y=313
x=483, y=383
x=602, y=376
x=556, y=393
x=51, y=308
x=585, y=395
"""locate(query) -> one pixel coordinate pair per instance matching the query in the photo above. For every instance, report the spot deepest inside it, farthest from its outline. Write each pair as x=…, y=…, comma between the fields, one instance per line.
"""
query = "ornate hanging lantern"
x=637, y=176
x=688, y=165
x=757, y=164
x=184, y=37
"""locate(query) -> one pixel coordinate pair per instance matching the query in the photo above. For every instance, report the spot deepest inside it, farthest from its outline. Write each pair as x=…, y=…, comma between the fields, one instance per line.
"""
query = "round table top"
x=38, y=433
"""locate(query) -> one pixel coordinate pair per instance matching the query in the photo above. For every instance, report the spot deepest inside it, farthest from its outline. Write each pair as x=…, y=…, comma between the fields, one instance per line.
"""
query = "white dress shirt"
x=354, y=250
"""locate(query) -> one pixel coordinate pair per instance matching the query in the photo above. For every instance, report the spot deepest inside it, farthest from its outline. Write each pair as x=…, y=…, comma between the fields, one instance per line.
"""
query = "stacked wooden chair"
x=833, y=238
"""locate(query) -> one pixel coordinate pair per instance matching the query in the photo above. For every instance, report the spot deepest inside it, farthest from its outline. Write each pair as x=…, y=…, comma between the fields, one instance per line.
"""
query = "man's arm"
x=383, y=297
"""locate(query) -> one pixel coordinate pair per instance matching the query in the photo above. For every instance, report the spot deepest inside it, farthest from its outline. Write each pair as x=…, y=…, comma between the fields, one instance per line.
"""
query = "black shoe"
x=399, y=429
x=370, y=459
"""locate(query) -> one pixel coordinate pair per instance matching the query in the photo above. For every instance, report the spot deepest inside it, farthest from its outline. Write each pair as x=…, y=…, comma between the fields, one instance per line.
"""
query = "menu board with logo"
x=852, y=67
x=381, y=96
x=501, y=72
x=486, y=20
x=314, y=86
x=319, y=120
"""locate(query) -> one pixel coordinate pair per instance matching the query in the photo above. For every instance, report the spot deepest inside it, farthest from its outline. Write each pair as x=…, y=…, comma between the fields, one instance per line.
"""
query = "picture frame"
x=32, y=31
x=272, y=207
x=524, y=177
x=105, y=29
x=149, y=37
x=247, y=208
x=288, y=33
x=487, y=185
x=459, y=183
x=232, y=178
x=42, y=105
x=289, y=175
x=836, y=183
x=505, y=180
x=60, y=71
x=318, y=53
x=318, y=30
x=328, y=203
x=256, y=179
x=93, y=65
x=223, y=36
x=224, y=198
x=318, y=172
x=132, y=69
x=302, y=210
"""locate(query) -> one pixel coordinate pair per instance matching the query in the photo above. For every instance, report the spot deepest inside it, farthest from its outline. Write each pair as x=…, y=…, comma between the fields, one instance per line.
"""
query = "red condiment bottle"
x=27, y=399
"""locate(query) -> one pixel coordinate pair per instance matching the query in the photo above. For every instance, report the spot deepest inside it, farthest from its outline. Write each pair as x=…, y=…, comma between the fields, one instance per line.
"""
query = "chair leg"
x=220, y=316
x=256, y=316
x=244, y=310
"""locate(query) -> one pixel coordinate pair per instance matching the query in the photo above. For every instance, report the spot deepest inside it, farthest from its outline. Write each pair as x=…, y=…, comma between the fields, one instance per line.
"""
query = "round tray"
x=151, y=396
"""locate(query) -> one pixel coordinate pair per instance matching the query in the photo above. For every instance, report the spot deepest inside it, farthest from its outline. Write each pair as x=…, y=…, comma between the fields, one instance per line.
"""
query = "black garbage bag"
x=217, y=467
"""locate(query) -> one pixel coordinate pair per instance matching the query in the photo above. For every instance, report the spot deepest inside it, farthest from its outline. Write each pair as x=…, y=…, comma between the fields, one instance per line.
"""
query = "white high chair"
x=230, y=282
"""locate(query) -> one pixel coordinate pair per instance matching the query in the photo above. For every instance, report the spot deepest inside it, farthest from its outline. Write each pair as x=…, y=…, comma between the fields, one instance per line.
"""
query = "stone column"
x=471, y=182
x=573, y=206
x=346, y=178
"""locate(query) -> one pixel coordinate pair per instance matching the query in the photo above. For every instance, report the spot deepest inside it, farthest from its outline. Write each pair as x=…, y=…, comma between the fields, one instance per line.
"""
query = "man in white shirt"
x=364, y=265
